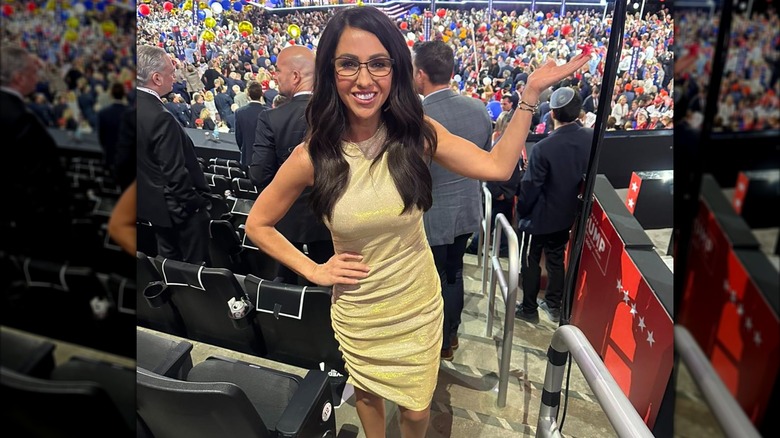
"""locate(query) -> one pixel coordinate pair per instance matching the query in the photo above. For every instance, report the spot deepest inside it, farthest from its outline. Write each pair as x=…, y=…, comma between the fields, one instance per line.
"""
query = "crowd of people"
x=493, y=55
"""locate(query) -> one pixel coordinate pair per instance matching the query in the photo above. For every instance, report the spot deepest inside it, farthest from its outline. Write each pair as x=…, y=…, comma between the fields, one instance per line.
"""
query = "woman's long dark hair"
x=407, y=131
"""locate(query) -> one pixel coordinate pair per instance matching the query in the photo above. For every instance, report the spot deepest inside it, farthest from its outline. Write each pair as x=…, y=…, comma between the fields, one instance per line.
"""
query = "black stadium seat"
x=26, y=354
x=167, y=357
x=228, y=398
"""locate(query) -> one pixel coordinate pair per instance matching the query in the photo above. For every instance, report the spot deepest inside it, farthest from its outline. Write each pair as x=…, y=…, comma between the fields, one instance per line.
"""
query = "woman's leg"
x=371, y=410
x=414, y=424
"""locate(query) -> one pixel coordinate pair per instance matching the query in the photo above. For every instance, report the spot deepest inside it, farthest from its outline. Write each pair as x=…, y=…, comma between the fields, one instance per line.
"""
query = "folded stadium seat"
x=214, y=307
x=225, y=162
x=258, y=262
x=244, y=188
x=295, y=322
x=60, y=409
x=219, y=184
x=224, y=397
x=58, y=301
x=160, y=314
x=225, y=247
x=229, y=172
x=163, y=356
x=116, y=380
x=26, y=354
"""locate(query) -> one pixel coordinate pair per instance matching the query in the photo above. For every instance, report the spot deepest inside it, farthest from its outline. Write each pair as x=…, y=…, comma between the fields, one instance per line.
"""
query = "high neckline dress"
x=389, y=327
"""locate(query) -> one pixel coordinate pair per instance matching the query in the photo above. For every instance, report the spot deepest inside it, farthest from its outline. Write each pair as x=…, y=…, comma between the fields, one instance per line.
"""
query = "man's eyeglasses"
x=376, y=67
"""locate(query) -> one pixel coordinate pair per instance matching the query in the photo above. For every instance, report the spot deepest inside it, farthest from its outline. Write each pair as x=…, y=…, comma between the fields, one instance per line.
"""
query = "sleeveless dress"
x=389, y=327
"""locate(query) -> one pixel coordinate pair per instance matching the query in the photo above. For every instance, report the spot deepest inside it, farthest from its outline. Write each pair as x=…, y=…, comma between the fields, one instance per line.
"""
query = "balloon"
x=8, y=10
x=208, y=35
x=441, y=28
x=404, y=25
x=273, y=59
x=217, y=8
x=71, y=35
x=292, y=42
x=486, y=81
x=108, y=27
x=208, y=13
x=237, y=6
x=31, y=6
x=436, y=18
x=245, y=26
x=244, y=34
x=143, y=10
x=410, y=43
x=441, y=12
x=88, y=5
x=294, y=30
x=168, y=6
x=79, y=8
x=101, y=6
x=201, y=14
x=453, y=26
x=410, y=36
x=225, y=4
x=73, y=22
x=210, y=22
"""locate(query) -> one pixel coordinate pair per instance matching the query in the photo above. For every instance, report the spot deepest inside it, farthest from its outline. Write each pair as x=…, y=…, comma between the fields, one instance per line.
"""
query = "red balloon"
x=244, y=34
x=292, y=42
x=31, y=7
x=260, y=52
x=404, y=25
x=441, y=12
x=409, y=43
x=8, y=10
x=144, y=10
x=168, y=6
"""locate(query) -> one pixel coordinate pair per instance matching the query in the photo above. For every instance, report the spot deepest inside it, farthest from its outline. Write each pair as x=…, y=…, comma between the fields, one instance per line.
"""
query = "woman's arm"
x=272, y=204
x=121, y=224
x=463, y=157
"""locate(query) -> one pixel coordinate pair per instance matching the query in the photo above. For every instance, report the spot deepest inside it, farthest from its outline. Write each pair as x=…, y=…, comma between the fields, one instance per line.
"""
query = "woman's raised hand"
x=344, y=268
x=551, y=73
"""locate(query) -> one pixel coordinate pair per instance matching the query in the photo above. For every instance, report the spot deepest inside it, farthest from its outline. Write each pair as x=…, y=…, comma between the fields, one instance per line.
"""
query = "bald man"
x=278, y=132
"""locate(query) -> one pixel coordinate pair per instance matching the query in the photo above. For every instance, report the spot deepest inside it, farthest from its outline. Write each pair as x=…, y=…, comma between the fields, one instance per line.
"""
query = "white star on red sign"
x=650, y=339
x=748, y=323
x=630, y=202
x=633, y=309
x=642, y=325
x=634, y=187
x=626, y=299
x=757, y=338
x=619, y=286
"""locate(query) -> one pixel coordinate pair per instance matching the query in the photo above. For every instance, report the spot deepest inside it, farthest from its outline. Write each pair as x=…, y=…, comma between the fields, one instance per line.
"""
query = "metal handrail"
x=484, y=230
x=508, y=293
x=725, y=408
x=566, y=340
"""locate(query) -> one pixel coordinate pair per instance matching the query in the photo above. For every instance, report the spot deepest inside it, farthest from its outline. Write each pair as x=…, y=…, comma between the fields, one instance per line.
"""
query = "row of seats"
x=80, y=397
x=225, y=397
x=68, y=302
x=282, y=322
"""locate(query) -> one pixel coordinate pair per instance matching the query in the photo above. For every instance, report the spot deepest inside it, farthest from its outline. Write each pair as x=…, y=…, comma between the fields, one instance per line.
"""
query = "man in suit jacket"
x=36, y=215
x=171, y=186
x=246, y=121
x=547, y=203
x=455, y=213
x=279, y=131
x=109, y=121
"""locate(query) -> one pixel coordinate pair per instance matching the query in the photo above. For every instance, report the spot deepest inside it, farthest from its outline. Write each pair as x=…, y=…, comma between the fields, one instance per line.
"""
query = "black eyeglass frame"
x=360, y=64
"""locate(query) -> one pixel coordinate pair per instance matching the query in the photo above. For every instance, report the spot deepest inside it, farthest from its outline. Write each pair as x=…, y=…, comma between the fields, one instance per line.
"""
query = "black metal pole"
x=586, y=201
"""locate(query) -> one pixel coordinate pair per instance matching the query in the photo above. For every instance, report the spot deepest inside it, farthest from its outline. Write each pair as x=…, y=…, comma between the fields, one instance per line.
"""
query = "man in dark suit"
x=591, y=103
x=246, y=121
x=279, y=131
x=455, y=213
x=171, y=186
x=109, y=121
x=37, y=211
x=547, y=203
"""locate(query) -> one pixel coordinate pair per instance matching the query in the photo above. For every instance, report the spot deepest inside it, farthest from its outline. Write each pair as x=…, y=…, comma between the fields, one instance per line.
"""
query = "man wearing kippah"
x=547, y=204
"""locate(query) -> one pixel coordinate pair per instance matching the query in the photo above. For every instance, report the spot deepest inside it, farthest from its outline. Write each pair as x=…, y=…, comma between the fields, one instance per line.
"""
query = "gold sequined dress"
x=389, y=327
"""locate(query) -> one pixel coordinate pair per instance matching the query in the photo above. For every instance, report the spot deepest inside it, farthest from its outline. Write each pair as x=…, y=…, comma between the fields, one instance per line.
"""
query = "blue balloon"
x=273, y=59
x=310, y=46
x=201, y=14
x=415, y=10
x=100, y=6
x=487, y=26
x=225, y=4
x=453, y=26
x=88, y=5
x=238, y=6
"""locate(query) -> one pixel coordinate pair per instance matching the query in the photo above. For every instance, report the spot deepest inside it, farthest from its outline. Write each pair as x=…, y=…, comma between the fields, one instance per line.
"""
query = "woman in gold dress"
x=366, y=157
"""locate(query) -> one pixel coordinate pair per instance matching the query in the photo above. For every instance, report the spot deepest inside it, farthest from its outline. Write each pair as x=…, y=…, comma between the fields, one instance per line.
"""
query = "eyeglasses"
x=376, y=67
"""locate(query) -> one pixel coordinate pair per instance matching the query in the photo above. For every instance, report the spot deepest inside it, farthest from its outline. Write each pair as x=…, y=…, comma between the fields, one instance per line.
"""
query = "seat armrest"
x=310, y=411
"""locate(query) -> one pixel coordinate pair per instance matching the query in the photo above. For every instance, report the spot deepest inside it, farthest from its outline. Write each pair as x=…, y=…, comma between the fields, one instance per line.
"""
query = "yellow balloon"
x=73, y=22
x=71, y=35
x=245, y=26
x=208, y=35
x=210, y=22
x=51, y=5
x=187, y=5
x=202, y=5
x=293, y=30
x=108, y=27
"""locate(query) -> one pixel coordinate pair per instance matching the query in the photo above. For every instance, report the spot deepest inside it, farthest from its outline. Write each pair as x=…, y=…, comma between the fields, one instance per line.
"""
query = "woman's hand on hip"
x=344, y=268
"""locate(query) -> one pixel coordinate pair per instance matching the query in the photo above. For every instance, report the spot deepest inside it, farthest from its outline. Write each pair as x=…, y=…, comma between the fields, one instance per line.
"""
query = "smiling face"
x=363, y=94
